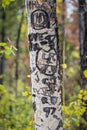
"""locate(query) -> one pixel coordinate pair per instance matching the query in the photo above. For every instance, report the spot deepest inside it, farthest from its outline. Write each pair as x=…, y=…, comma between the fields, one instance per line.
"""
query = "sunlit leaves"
x=80, y=96
x=83, y=95
x=7, y=50
x=75, y=54
x=71, y=71
x=28, y=76
x=2, y=88
x=8, y=53
x=59, y=1
x=6, y=2
x=74, y=111
x=85, y=73
x=25, y=93
x=28, y=92
x=58, y=8
x=81, y=91
x=17, y=113
x=58, y=11
x=64, y=66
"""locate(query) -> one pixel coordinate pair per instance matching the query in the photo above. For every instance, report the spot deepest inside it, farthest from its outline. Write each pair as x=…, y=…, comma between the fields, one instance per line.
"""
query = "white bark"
x=44, y=64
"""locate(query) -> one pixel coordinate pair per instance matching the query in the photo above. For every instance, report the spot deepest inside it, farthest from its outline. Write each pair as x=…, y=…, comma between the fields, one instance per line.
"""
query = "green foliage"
x=58, y=10
x=6, y=2
x=74, y=111
x=6, y=50
x=59, y=1
x=15, y=113
x=85, y=73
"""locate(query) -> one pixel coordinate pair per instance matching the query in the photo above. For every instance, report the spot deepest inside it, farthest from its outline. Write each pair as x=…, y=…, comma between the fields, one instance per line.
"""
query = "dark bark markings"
x=83, y=50
x=44, y=63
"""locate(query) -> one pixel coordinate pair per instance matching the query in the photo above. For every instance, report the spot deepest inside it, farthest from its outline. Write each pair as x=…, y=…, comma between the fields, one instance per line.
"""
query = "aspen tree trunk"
x=44, y=64
x=83, y=49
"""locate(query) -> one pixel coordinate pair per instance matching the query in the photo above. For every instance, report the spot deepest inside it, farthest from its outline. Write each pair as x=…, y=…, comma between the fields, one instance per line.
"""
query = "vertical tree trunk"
x=17, y=53
x=83, y=49
x=63, y=49
x=1, y=48
x=44, y=64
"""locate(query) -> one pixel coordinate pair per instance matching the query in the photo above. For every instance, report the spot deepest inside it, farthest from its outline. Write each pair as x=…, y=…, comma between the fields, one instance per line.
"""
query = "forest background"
x=15, y=90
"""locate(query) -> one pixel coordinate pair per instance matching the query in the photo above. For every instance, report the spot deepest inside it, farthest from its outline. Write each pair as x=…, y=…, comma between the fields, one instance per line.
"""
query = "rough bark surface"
x=83, y=41
x=83, y=50
x=44, y=64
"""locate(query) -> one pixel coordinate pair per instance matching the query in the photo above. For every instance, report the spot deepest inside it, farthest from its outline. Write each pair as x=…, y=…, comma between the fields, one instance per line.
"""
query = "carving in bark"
x=44, y=64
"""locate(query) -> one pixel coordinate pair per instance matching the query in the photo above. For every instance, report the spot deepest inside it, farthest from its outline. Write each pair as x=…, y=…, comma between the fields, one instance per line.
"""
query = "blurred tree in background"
x=83, y=52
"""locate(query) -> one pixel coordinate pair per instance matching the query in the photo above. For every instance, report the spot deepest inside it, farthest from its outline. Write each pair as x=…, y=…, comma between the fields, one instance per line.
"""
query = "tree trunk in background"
x=1, y=48
x=63, y=50
x=44, y=64
x=17, y=53
x=83, y=49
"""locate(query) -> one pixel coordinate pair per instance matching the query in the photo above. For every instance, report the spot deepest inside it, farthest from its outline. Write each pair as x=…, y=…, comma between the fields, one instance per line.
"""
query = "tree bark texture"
x=83, y=41
x=83, y=50
x=44, y=64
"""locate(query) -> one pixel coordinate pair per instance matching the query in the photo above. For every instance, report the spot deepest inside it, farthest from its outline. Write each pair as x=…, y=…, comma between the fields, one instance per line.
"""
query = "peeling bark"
x=44, y=64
